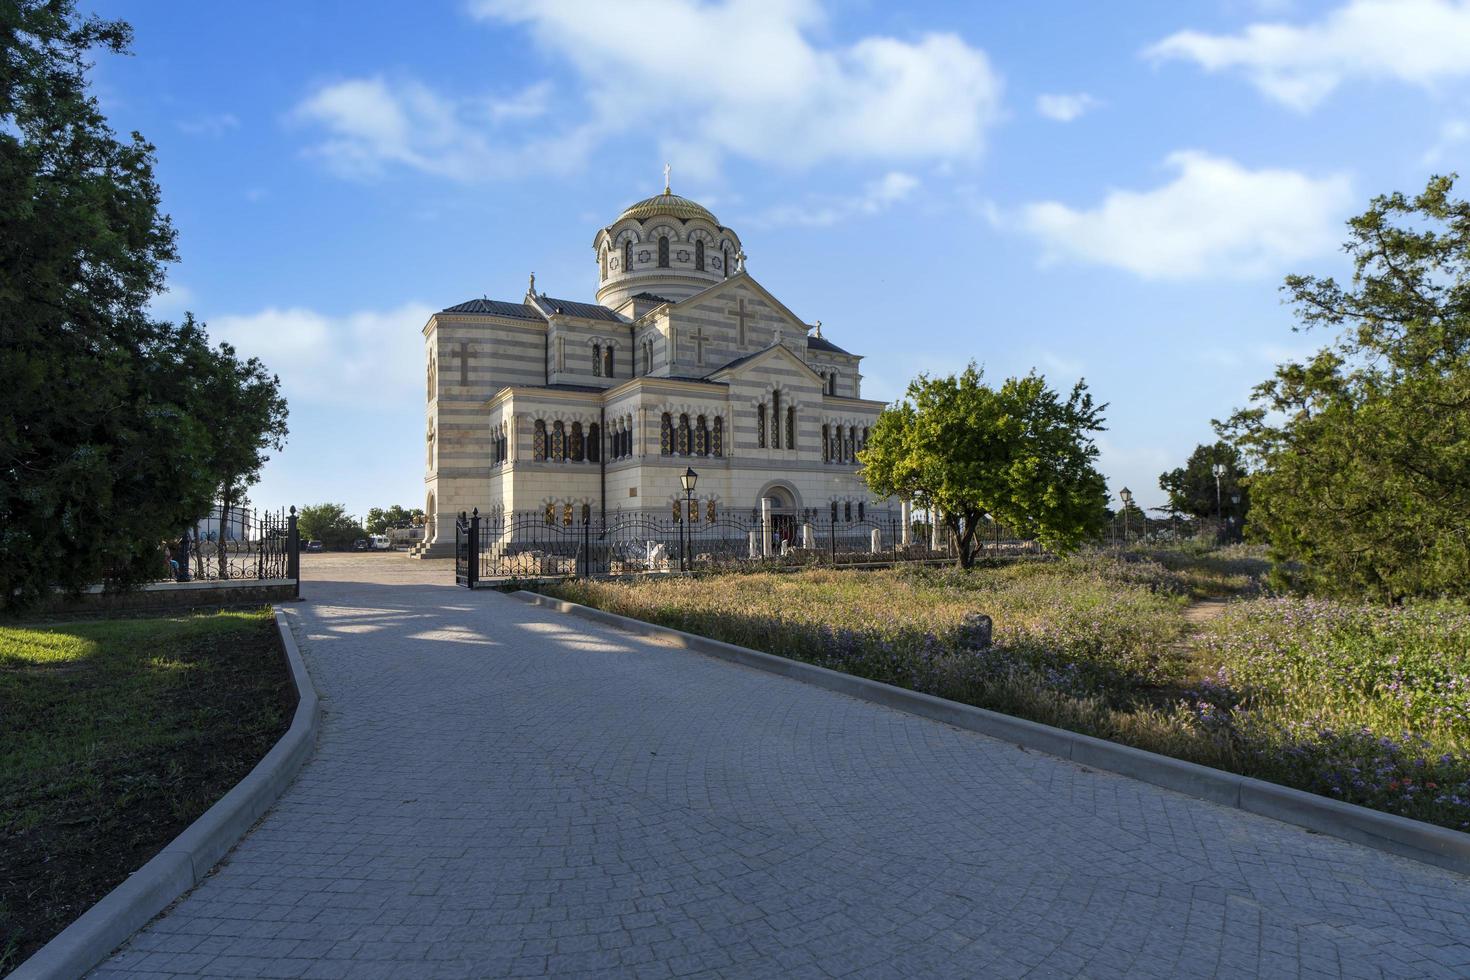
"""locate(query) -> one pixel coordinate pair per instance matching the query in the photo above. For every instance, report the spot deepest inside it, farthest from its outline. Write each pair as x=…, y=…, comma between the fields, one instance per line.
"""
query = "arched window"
x=577, y=448
x=775, y=420
x=666, y=436
x=860, y=510
x=726, y=265
x=684, y=435
x=791, y=428
x=663, y=251
x=586, y=513
x=559, y=442
x=594, y=443
x=826, y=442
x=699, y=256
x=760, y=425
x=719, y=436
x=847, y=511
x=538, y=442
x=834, y=512
x=628, y=255
x=597, y=360
x=865, y=438
x=701, y=437
x=832, y=383
x=604, y=263
x=607, y=361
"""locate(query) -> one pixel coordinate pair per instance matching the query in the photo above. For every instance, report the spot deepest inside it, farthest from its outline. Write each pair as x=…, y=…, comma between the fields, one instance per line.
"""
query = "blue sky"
x=1109, y=191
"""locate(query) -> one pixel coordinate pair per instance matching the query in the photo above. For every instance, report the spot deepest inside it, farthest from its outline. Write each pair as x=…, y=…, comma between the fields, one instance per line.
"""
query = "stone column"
x=877, y=544
x=766, y=527
x=933, y=529
x=515, y=436
x=755, y=545
x=808, y=536
x=905, y=531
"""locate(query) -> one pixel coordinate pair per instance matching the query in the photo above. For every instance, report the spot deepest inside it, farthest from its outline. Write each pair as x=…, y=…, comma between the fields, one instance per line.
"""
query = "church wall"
x=573, y=365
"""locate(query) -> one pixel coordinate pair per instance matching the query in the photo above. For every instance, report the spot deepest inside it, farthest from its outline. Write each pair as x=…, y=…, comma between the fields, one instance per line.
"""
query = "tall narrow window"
x=826, y=442
x=607, y=361
x=775, y=420
x=684, y=435
x=719, y=436
x=834, y=512
x=760, y=425
x=725, y=267
x=538, y=442
x=663, y=251
x=594, y=443
x=597, y=360
x=860, y=510
x=666, y=436
x=628, y=256
x=576, y=452
x=604, y=263
x=558, y=442
x=701, y=437
x=791, y=428
x=847, y=510
x=699, y=256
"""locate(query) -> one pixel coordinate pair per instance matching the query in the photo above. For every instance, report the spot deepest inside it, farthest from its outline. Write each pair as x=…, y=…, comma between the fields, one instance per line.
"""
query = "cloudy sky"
x=1109, y=191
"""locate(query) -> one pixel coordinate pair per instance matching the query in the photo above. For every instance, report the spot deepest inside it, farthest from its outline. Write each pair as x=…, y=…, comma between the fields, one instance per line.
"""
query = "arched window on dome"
x=663, y=251
x=699, y=256
x=628, y=255
x=725, y=265
x=604, y=263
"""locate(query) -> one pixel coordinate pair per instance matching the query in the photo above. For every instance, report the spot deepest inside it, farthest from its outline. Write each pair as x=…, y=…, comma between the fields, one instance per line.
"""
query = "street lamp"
x=687, y=481
x=1219, y=470
x=1126, y=496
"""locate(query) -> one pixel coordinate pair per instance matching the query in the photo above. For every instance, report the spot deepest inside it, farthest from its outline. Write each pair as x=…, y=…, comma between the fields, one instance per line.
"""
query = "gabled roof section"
x=704, y=295
x=495, y=307
x=775, y=350
x=551, y=306
x=651, y=297
x=814, y=342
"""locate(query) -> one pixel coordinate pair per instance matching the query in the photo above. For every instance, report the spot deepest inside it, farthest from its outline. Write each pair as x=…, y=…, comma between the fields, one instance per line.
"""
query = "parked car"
x=361, y=544
x=381, y=542
x=314, y=545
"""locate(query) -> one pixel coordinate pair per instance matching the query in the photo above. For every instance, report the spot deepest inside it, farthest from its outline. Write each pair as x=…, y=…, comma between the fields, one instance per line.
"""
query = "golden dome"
x=670, y=204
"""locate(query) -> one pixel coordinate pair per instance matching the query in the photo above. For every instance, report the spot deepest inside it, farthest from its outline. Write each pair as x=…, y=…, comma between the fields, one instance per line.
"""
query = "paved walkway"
x=504, y=791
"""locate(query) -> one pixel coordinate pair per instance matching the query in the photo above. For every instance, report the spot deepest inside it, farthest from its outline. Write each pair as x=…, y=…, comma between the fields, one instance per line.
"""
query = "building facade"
x=684, y=360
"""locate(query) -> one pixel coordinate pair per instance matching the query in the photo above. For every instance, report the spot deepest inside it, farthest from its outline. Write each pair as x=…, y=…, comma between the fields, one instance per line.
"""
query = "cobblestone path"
x=504, y=791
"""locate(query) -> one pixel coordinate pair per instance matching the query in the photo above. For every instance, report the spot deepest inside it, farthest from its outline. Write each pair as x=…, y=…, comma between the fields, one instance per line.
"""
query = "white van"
x=380, y=542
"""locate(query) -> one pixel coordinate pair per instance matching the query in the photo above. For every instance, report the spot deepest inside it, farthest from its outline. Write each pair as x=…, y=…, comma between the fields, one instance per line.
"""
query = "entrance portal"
x=783, y=516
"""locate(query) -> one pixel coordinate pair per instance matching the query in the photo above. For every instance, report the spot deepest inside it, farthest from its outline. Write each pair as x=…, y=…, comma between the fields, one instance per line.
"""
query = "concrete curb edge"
x=185, y=861
x=1415, y=839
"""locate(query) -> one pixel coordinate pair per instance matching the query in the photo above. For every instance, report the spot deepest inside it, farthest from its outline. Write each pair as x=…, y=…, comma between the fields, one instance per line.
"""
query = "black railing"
x=242, y=543
x=579, y=543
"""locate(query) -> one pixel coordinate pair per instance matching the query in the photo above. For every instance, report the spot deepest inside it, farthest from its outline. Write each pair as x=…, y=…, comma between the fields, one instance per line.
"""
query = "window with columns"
x=699, y=256
x=594, y=443
x=663, y=251
x=666, y=435
x=760, y=425
x=684, y=435
x=628, y=256
x=607, y=361
x=558, y=442
x=576, y=449
x=597, y=360
x=776, y=420
x=538, y=442
x=826, y=442
x=791, y=427
x=701, y=437
x=718, y=437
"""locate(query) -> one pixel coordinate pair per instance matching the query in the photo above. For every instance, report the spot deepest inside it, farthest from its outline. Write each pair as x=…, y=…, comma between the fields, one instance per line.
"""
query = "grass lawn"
x=1362, y=704
x=114, y=736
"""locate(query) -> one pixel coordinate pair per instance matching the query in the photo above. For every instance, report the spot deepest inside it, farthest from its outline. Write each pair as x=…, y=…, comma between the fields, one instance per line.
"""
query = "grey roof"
x=741, y=360
x=495, y=307
x=653, y=297
x=813, y=342
x=526, y=311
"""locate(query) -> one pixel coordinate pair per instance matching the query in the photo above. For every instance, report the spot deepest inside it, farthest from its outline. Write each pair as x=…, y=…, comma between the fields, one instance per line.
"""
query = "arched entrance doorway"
x=784, y=513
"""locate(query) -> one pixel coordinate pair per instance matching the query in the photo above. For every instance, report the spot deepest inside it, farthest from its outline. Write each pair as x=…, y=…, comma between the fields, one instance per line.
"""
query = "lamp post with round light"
x=688, y=480
x=1126, y=496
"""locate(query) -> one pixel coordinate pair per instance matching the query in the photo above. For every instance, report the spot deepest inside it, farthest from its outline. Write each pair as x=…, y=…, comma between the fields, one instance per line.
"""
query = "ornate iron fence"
x=241, y=543
x=562, y=542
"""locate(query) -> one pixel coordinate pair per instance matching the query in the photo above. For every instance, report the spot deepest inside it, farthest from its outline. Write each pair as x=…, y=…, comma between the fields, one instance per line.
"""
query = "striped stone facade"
x=550, y=402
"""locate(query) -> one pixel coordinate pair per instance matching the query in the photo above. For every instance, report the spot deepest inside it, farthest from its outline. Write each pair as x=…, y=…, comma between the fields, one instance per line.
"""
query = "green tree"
x=330, y=524
x=240, y=405
x=380, y=519
x=1363, y=450
x=1020, y=453
x=100, y=456
x=1192, y=488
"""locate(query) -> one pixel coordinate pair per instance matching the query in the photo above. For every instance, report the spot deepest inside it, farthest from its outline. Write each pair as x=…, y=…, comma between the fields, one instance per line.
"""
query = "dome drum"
x=665, y=244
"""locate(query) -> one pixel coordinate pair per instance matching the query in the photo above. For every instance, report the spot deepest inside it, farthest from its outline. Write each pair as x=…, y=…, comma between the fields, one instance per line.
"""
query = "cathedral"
x=683, y=361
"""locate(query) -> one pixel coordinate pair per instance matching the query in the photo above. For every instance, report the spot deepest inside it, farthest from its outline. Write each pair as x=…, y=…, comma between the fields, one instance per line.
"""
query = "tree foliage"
x=1192, y=488
x=1021, y=454
x=380, y=519
x=1364, y=449
x=105, y=449
x=330, y=524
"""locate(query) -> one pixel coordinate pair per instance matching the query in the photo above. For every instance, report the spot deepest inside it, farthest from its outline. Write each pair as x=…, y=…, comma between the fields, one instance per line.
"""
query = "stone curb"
x=1389, y=832
x=185, y=861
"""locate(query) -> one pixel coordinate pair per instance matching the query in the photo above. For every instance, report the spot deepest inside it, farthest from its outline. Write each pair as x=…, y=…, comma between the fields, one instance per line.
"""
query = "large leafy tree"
x=1020, y=453
x=1364, y=448
x=330, y=524
x=100, y=456
x=1192, y=488
x=380, y=519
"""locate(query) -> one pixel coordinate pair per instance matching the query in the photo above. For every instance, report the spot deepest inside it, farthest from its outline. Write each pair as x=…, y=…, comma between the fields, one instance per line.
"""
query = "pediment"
x=754, y=364
x=736, y=284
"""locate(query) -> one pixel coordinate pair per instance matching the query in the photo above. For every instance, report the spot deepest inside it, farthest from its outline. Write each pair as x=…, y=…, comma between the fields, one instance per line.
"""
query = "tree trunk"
x=224, y=526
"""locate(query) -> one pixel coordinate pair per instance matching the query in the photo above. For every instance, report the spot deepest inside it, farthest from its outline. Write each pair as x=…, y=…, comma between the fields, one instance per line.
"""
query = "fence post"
x=586, y=544
x=904, y=513
x=473, y=572
x=765, y=527
x=293, y=551
x=832, y=542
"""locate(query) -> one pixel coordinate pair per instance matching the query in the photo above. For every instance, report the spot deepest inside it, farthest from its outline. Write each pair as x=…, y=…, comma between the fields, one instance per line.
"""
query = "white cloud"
x=1416, y=41
x=373, y=124
x=172, y=302
x=1453, y=133
x=213, y=126
x=741, y=78
x=1064, y=107
x=369, y=359
x=876, y=196
x=1215, y=218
